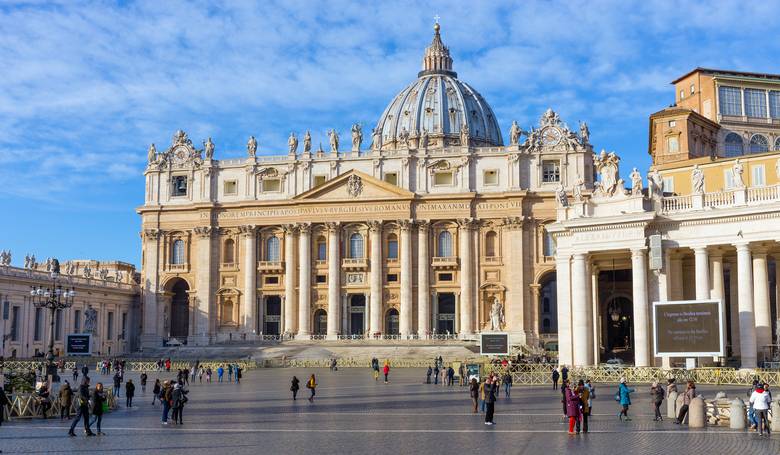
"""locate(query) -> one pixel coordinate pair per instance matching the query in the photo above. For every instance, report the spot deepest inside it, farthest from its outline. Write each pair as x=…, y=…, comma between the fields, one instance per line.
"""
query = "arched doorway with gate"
x=180, y=310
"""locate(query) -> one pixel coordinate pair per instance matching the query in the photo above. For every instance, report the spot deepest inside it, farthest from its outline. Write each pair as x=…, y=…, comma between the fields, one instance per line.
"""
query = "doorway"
x=357, y=313
x=272, y=315
x=445, y=308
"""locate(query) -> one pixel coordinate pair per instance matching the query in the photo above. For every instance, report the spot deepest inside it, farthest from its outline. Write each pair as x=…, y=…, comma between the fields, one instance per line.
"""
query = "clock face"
x=551, y=136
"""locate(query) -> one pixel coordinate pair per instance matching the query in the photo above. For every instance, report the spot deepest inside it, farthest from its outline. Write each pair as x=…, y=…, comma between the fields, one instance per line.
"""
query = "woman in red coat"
x=386, y=370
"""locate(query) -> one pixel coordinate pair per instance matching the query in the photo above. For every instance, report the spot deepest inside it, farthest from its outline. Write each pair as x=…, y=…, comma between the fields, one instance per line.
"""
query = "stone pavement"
x=354, y=414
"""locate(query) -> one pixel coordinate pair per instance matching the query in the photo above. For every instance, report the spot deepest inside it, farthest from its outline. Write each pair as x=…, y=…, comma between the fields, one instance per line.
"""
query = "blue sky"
x=87, y=86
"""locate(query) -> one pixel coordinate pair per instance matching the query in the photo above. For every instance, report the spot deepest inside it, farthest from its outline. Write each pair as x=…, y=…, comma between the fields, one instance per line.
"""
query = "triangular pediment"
x=354, y=186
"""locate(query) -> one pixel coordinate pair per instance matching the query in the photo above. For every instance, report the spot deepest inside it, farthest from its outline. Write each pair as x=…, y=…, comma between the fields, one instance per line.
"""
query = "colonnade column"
x=562, y=275
x=334, y=279
x=250, y=276
x=289, y=279
x=580, y=309
x=405, y=322
x=641, y=315
x=702, y=273
x=304, y=281
x=423, y=281
x=375, y=237
x=763, y=309
x=747, y=320
x=466, y=272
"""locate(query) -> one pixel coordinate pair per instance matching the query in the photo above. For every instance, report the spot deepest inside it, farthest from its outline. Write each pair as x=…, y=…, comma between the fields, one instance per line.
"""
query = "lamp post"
x=53, y=298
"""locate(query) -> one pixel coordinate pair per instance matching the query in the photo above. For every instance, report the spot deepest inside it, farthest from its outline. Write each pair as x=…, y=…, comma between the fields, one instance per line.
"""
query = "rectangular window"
x=392, y=277
x=321, y=279
x=123, y=335
x=231, y=187
x=445, y=277
x=391, y=177
x=77, y=321
x=672, y=145
x=442, y=179
x=15, y=324
x=551, y=171
x=728, y=179
x=319, y=180
x=730, y=99
x=58, y=325
x=490, y=177
x=272, y=185
x=38, y=327
x=668, y=185
x=272, y=280
x=758, y=177
x=774, y=104
x=179, y=184
x=755, y=103
x=110, y=326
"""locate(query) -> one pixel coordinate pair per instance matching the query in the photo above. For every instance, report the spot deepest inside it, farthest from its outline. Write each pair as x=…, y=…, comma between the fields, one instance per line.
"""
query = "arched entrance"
x=320, y=322
x=180, y=310
x=391, y=322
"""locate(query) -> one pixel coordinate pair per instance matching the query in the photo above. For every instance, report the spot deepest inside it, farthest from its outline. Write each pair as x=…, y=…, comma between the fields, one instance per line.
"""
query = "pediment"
x=354, y=186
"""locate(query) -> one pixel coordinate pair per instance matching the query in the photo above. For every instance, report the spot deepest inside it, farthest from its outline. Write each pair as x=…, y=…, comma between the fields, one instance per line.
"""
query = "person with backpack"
x=623, y=396
x=657, y=397
x=311, y=384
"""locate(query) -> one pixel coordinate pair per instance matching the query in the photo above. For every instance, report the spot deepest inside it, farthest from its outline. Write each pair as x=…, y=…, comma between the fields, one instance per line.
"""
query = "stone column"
x=747, y=320
x=762, y=306
x=563, y=274
x=290, y=269
x=641, y=313
x=304, y=281
x=466, y=279
x=203, y=326
x=580, y=309
x=250, y=276
x=702, y=268
x=334, y=280
x=423, y=281
x=375, y=237
x=734, y=309
x=406, y=307
x=151, y=337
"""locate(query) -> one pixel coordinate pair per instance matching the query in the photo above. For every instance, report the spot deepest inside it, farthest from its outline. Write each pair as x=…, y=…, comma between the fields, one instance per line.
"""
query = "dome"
x=440, y=104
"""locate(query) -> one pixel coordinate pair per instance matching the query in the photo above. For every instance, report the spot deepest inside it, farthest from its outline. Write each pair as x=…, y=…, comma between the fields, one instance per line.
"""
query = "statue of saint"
x=307, y=142
x=292, y=143
x=209, y=147
x=496, y=315
x=423, y=139
x=514, y=133
x=738, y=170
x=251, y=147
x=464, y=135
x=584, y=133
x=636, y=182
x=357, y=137
x=151, y=155
x=376, y=139
x=334, y=140
x=697, y=180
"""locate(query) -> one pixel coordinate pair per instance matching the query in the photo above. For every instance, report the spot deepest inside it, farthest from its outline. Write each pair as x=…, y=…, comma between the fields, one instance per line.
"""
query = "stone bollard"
x=738, y=418
x=671, y=405
x=775, y=418
x=697, y=413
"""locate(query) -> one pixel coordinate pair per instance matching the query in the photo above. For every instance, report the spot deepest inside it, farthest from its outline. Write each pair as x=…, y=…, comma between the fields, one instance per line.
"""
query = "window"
x=759, y=144
x=38, y=328
x=322, y=249
x=391, y=177
x=445, y=244
x=356, y=246
x=177, y=252
x=490, y=244
x=549, y=244
x=272, y=280
x=730, y=100
x=693, y=89
x=442, y=178
x=58, y=325
x=77, y=321
x=774, y=104
x=728, y=179
x=15, y=324
x=445, y=277
x=392, y=277
x=228, y=255
x=777, y=144
x=490, y=177
x=733, y=145
x=551, y=171
x=392, y=246
x=758, y=176
x=110, y=326
x=672, y=145
x=668, y=185
x=123, y=335
x=230, y=187
x=272, y=249
x=179, y=183
x=271, y=185
x=321, y=279
x=319, y=180
x=672, y=123
x=755, y=102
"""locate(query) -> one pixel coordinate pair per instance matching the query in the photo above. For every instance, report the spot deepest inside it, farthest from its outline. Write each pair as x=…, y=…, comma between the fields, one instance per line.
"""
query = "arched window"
x=777, y=144
x=392, y=246
x=759, y=144
x=490, y=244
x=322, y=249
x=445, y=244
x=272, y=249
x=177, y=252
x=733, y=144
x=228, y=255
x=356, y=246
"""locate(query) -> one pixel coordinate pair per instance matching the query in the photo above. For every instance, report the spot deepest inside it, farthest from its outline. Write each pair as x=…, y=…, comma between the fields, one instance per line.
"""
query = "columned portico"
x=304, y=281
x=334, y=280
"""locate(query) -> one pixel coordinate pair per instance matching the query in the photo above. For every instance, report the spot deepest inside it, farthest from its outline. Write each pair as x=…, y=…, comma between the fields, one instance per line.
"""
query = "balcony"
x=440, y=262
x=354, y=263
x=270, y=266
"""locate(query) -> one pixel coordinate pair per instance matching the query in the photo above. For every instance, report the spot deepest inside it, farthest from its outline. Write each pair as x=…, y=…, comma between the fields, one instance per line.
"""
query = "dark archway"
x=391, y=322
x=180, y=310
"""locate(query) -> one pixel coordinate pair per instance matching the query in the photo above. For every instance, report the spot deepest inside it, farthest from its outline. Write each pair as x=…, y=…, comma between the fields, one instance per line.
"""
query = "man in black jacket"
x=83, y=397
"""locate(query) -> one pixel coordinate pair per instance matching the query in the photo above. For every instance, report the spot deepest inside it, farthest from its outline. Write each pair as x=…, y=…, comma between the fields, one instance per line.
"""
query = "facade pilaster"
x=375, y=300
x=747, y=320
x=304, y=281
x=641, y=312
x=290, y=268
x=334, y=279
x=466, y=278
x=423, y=281
x=406, y=307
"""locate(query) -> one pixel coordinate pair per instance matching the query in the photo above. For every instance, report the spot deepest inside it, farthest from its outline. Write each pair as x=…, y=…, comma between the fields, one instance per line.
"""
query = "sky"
x=87, y=86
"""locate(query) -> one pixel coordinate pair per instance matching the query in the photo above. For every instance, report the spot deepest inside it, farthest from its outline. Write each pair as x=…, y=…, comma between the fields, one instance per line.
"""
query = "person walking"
x=474, y=393
x=491, y=390
x=428, y=375
x=66, y=400
x=657, y=397
x=386, y=370
x=572, y=409
x=690, y=394
x=156, y=391
x=98, y=401
x=117, y=383
x=583, y=391
x=83, y=402
x=311, y=384
x=507, y=381
x=166, y=400
x=624, y=396
x=760, y=401
x=129, y=393
x=555, y=376
x=294, y=386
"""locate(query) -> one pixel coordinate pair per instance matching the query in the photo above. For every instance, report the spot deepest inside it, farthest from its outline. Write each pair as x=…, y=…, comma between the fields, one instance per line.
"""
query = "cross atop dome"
x=437, y=59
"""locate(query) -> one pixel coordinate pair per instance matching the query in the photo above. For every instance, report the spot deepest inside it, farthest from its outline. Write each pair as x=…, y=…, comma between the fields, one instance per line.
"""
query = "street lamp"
x=54, y=298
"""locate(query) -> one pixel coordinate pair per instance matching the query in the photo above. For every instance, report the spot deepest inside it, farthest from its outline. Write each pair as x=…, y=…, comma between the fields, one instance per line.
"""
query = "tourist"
x=294, y=386
x=583, y=392
x=166, y=399
x=98, y=403
x=657, y=397
x=555, y=376
x=156, y=391
x=436, y=374
x=572, y=408
x=144, y=378
x=760, y=401
x=507, y=381
x=428, y=375
x=311, y=384
x=178, y=398
x=491, y=390
x=129, y=393
x=83, y=402
x=230, y=372
x=690, y=394
x=220, y=373
x=66, y=400
x=386, y=370
x=117, y=383
x=474, y=391
x=624, y=396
